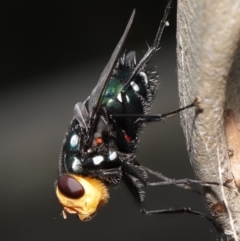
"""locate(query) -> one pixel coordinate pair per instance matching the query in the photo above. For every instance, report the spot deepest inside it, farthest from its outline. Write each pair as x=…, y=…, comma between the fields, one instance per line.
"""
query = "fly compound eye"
x=70, y=187
x=81, y=195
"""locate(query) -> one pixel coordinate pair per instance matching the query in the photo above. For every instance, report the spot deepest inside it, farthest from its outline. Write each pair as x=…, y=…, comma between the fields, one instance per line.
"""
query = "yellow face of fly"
x=95, y=195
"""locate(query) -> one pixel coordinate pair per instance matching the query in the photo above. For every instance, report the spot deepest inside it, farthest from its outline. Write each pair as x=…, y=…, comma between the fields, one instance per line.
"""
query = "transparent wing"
x=96, y=96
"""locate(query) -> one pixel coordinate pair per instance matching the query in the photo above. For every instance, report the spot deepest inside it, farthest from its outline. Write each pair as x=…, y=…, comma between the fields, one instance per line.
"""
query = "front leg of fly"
x=110, y=176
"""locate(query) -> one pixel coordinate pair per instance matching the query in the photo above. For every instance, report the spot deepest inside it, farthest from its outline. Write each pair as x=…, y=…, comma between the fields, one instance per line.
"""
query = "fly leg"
x=113, y=175
x=159, y=117
x=138, y=195
x=165, y=178
x=182, y=182
x=152, y=49
x=182, y=210
x=134, y=171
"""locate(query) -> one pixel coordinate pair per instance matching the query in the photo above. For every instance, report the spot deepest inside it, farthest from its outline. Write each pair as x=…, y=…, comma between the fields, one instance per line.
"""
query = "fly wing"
x=96, y=96
x=81, y=114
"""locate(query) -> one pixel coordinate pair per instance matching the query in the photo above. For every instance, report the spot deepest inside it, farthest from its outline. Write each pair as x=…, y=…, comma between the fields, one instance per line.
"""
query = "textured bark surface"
x=208, y=35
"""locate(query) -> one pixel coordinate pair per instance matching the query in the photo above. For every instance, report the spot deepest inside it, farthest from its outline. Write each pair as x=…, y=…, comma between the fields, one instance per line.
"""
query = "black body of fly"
x=99, y=147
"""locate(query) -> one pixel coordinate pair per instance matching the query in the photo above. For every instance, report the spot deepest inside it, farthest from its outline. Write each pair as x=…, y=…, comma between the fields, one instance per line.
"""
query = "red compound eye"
x=70, y=187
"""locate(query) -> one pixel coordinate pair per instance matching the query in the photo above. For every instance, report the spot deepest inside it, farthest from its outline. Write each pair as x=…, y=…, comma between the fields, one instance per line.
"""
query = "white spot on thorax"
x=74, y=140
x=112, y=155
x=97, y=160
x=76, y=164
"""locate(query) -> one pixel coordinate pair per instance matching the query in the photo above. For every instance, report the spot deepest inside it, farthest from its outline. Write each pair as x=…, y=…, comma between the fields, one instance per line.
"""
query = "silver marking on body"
x=97, y=160
x=112, y=155
x=145, y=78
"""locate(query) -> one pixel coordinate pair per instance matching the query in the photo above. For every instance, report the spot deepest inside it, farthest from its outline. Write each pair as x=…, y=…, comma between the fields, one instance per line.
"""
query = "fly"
x=100, y=145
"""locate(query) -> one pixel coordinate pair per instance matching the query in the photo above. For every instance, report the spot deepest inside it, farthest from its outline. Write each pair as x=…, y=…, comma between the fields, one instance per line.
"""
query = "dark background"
x=52, y=53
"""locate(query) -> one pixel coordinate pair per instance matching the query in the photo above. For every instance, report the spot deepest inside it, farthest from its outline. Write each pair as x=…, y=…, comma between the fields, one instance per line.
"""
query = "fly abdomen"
x=133, y=98
x=139, y=93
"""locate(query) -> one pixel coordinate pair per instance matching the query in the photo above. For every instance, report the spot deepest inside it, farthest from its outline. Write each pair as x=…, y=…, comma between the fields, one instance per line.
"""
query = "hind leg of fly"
x=183, y=182
x=159, y=117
